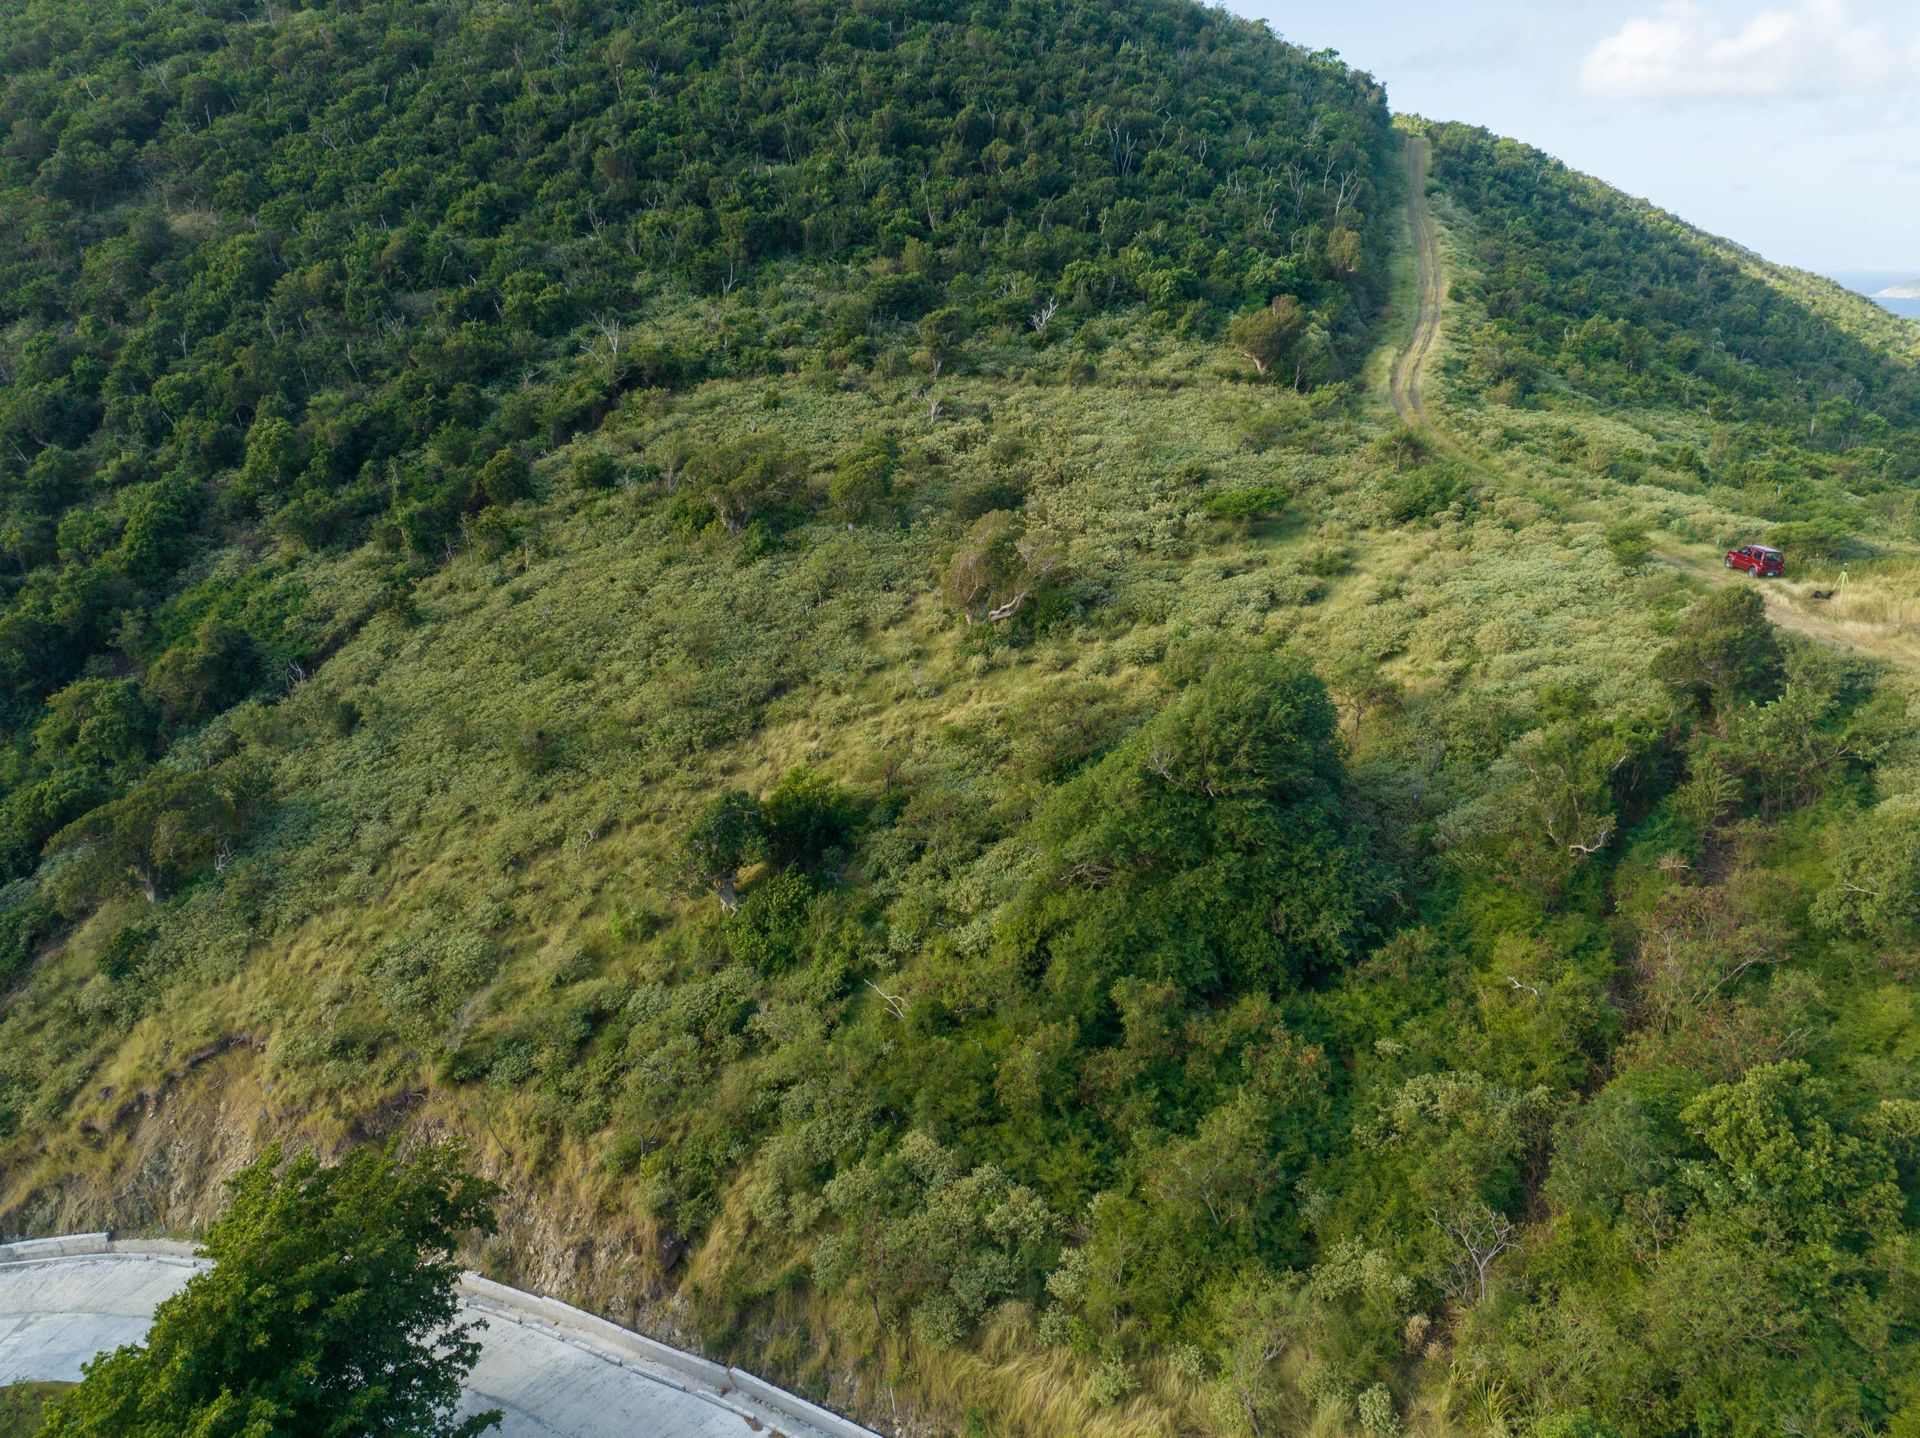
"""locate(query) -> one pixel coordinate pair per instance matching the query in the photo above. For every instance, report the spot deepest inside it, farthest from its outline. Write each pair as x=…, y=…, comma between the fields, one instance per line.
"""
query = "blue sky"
x=1791, y=126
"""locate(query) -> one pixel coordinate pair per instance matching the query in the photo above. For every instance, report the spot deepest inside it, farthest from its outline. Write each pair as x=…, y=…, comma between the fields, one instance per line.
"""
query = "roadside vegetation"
x=330, y=1308
x=22, y=1405
x=903, y=745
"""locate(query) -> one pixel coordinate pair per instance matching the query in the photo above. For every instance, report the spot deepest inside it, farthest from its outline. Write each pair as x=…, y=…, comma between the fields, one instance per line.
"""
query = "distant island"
x=1909, y=291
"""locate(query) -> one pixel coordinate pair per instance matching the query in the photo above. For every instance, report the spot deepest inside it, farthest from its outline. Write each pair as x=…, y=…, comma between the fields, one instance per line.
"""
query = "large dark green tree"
x=1723, y=651
x=1212, y=852
x=330, y=1311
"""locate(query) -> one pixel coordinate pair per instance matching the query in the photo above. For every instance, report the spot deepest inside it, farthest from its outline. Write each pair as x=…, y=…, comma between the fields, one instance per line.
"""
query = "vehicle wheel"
x=1728, y=563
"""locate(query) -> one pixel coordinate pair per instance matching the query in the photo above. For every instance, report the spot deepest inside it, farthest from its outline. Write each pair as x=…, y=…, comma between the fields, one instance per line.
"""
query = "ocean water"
x=1869, y=281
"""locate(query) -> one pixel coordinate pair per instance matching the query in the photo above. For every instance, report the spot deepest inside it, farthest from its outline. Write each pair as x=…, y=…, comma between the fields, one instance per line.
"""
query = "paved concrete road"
x=552, y=1369
x=54, y=1316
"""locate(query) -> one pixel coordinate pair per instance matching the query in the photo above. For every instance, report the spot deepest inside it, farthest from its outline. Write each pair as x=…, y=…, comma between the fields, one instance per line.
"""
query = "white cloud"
x=1686, y=52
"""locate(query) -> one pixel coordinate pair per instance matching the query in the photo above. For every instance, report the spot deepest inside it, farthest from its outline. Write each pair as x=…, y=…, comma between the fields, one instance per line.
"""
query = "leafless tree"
x=1652, y=1225
x=1296, y=179
x=610, y=330
x=896, y=1005
x=1348, y=192
x=1039, y=559
x=1483, y=1235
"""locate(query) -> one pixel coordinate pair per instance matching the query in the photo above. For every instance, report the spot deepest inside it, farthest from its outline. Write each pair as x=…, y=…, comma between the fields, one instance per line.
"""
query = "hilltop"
x=814, y=627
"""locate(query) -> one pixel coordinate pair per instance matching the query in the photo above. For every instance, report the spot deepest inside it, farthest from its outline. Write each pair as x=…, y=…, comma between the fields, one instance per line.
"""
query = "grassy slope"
x=428, y=818
x=1593, y=461
x=527, y=744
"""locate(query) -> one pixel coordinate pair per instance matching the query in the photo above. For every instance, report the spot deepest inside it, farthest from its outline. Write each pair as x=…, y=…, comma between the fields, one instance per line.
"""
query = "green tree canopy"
x=1784, y=1163
x=1723, y=650
x=163, y=831
x=998, y=567
x=724, y=837
x=747, y=479
x=330, y=1311
x=1269, y=337
x=1212, y=850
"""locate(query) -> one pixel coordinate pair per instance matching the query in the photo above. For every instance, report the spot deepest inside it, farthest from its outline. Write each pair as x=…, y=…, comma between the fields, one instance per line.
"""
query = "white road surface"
x=554, y=1371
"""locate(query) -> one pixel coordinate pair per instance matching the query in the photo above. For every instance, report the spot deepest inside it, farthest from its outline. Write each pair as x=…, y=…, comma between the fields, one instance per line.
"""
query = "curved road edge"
x=546, y=1320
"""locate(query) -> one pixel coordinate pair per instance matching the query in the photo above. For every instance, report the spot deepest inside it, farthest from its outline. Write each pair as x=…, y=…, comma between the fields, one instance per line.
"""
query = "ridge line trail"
x=1409, y=366
x=1405, y=391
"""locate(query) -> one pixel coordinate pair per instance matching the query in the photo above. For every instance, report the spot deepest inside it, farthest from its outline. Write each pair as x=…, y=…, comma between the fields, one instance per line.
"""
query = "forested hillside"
x=805, y=623
x=287, y=285
x=1592, y=300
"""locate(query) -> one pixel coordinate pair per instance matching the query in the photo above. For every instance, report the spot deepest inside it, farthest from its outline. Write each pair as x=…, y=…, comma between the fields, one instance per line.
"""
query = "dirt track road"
x=1844, y=623
x=1409, y=367
x=1790, y=607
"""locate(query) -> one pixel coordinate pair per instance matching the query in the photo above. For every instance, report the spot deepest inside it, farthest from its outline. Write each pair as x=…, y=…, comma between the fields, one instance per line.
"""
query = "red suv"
x=1758, y=560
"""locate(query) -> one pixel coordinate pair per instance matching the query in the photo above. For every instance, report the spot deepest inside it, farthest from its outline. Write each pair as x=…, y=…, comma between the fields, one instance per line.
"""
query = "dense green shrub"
x=1146, y=862
x=769, y=929
x=810, y=819
x=1724, y=651
x=1244, y=506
